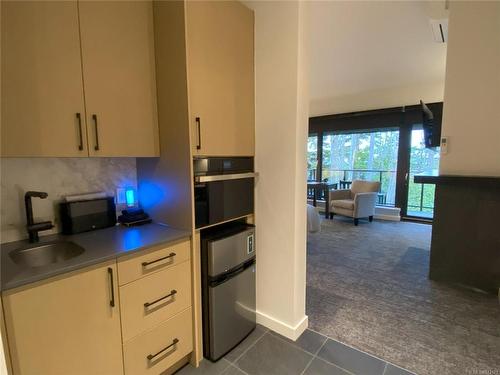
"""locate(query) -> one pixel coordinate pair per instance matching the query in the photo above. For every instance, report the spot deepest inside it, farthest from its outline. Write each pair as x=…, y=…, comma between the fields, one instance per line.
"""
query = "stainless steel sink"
x=45, y=254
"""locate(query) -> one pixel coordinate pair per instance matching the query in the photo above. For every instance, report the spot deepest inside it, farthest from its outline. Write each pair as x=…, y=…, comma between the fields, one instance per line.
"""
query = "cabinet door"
x=119, y=77
x=220, y=53
x=66, y=325
x=42, y=89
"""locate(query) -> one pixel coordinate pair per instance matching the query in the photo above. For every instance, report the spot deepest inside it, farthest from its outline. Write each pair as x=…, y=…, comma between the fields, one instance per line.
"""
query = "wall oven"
x=223, y=189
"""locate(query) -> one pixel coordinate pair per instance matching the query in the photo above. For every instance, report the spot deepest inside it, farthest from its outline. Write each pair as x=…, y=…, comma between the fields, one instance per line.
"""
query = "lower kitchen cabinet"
x=158, y=349
x=147, y=302
x=66, y=325
x=85, y=323
x=156, y=313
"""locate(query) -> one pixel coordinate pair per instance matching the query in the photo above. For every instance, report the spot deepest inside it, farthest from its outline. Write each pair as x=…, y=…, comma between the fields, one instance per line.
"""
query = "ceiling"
x=368, y=46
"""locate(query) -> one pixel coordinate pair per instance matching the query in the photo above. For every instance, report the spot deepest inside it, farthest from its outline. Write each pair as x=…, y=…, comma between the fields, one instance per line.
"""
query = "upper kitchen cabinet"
x=119, y=77
x=220, y=64
x=78, y=79
x=43, y=111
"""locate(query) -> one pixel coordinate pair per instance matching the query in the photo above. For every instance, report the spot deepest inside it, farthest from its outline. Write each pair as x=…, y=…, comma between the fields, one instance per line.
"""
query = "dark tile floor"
x=265, y=352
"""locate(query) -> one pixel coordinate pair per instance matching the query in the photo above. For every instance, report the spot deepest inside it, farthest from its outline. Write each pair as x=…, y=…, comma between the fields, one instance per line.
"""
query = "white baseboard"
x=387, y=217
x=284, y=329
x=381, y=212
x=387, y=213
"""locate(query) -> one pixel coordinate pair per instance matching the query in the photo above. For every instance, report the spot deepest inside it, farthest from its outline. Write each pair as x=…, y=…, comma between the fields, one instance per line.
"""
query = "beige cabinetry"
x=119, y=77
x=149, y=301
x=220, y=65
x=78, y=79
x=66, y=325
x=135, y=266
x=205, y=81
x=43, y=112
x=157, y=350
x=156, y=314
x=85, y=322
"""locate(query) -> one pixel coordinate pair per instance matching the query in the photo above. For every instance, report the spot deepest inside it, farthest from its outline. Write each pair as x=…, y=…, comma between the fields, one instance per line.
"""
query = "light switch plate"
x=444, y=145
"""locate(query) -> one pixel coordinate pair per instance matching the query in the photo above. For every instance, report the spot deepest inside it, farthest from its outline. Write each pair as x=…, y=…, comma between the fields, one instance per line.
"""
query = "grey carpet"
x=367, y=286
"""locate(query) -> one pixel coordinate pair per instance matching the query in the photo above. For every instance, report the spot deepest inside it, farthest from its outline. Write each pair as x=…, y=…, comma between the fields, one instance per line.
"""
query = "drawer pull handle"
x=173, y=292
x=80, y=136
x=145, y=264
x=96, y=147
x=198, y=125
x=152, y=356
x=112, y=287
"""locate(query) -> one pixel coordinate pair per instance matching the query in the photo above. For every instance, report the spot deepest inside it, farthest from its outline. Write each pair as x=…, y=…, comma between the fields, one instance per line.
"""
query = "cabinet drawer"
x=151, y=300
x=134, y=267
x=156, y=350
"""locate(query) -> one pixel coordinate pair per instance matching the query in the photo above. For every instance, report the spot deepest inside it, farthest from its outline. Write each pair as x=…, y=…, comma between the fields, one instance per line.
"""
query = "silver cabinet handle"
x=223, y=177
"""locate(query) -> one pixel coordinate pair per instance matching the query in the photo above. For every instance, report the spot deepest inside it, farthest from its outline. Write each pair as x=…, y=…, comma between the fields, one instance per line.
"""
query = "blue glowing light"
x=151, y=194
x=132, y=239
x=130, y=197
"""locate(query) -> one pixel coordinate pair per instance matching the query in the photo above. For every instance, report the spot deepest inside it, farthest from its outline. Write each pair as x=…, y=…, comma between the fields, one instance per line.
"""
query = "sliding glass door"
x=423, y=161
x=341, y=157
x=312, y=157
x=383, y=145
x=367, y=155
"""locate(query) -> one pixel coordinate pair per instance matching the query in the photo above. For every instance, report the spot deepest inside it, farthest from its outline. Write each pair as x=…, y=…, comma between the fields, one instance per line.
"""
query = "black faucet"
x=34, y=228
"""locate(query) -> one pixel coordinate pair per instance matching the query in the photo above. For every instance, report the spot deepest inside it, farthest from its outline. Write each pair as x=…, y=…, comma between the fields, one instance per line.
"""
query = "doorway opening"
x=384, y=145
x=423, y=161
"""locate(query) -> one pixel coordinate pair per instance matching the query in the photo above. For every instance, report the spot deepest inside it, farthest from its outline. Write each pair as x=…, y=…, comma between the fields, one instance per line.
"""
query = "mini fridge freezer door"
x=226, y=253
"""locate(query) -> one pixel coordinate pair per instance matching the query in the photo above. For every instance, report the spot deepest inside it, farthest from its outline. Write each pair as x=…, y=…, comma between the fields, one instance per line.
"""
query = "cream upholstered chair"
x=358, y=202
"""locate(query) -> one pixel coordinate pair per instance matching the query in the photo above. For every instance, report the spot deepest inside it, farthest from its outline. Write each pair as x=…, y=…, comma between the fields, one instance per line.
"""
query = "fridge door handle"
x=214, y=281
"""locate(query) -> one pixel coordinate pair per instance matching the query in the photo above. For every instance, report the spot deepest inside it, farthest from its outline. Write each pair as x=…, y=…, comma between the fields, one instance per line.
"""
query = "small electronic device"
x=134, y=216
x=86, y=215
x=431, y=124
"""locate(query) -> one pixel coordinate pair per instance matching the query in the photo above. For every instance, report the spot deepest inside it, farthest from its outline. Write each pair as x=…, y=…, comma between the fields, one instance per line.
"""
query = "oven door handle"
x=224, y=177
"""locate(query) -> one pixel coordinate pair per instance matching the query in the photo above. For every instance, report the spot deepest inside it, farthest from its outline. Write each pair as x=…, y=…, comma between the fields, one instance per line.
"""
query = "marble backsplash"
x=58, y=177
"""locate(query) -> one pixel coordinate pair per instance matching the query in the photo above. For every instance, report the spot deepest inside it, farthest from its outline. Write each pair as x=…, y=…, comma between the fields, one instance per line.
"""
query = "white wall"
x=380, y=98
x=374, y=54
x=281, y=133
x=471, y=117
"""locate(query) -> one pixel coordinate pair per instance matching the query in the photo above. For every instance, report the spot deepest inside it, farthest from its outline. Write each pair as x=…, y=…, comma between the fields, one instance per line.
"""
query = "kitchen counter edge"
x=100, y=246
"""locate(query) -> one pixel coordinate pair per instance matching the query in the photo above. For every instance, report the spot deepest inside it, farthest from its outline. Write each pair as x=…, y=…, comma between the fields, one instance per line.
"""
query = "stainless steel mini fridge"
x=228, y=283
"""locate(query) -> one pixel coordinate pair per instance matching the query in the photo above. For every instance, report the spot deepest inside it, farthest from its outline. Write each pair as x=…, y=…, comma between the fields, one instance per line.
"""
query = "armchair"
x=358, y=202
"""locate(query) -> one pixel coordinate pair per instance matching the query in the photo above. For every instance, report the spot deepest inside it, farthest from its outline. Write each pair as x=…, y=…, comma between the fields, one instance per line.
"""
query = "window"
x=423, y=161
x=312, y=157
x=366, y=156
x=383, y=145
